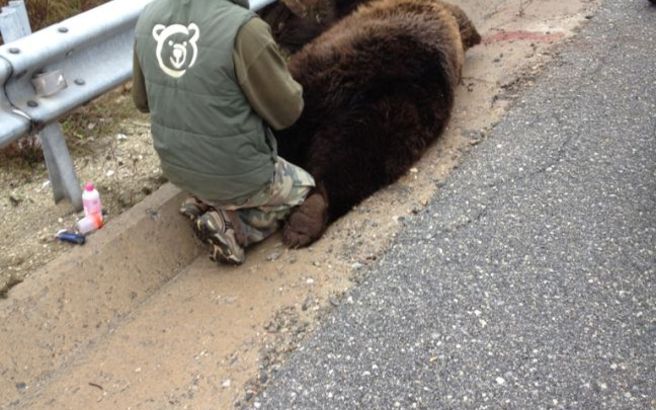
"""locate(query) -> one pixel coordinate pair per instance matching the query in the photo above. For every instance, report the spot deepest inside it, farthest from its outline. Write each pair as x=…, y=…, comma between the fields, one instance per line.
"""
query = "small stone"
x=414, y=170
x=272, y=327
x=121, y=137
x=273, y=256
x=309, y=281
x=137, y=370
x=264, y=378
x=21, y=386
x=226, y=383
x=17, y=261
x=307, y=303
x=356, y=265
x=110, y=172
x=15, y=201
x=501, y=380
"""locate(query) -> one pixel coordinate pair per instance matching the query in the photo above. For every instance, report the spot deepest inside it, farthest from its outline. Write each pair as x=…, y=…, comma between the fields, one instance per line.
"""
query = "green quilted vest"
x=210, y=141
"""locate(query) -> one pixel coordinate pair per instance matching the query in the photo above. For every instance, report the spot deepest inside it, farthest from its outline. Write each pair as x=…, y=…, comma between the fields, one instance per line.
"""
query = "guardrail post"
x=15, y=24
x=60, y=166
x=21, y=10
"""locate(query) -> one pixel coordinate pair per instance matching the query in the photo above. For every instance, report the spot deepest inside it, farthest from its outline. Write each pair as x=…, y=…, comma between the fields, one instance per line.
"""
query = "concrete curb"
x=72, y=302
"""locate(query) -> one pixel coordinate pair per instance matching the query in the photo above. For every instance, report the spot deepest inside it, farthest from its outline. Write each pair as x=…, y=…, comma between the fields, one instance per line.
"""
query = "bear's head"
x=295, y=23
x=176, y=47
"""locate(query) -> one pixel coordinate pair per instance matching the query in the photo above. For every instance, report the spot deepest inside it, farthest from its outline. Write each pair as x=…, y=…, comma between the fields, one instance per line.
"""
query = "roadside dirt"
x=116, y=155
x=232, y=328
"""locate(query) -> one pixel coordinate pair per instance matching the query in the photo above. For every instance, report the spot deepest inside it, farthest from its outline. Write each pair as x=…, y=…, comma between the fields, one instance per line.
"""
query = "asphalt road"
x=529, y=281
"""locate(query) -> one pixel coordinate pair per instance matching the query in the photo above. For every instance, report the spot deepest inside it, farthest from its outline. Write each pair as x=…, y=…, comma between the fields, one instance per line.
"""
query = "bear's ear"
x=313, y=11
x=296, y=7
x=157, y=31
x=468, y=33
x=196, y=32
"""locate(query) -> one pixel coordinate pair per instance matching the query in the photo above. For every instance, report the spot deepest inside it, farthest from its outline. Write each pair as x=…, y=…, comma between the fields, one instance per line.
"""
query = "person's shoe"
x=214, y=227
x=192, y=208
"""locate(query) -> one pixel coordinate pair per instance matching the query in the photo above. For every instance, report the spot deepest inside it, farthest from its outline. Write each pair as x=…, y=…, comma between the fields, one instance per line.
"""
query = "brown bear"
x=379, y=87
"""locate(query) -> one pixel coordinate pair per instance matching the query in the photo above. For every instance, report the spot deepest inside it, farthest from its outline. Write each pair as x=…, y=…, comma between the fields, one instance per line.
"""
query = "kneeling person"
x=214, y=82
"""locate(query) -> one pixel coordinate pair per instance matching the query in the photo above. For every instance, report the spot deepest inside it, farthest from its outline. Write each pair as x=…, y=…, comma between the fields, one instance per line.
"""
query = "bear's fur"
x=295, y=23
x=378, y=87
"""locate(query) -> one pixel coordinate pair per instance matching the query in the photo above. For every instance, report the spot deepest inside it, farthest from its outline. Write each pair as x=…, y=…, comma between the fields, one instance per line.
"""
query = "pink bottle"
x=91, y=200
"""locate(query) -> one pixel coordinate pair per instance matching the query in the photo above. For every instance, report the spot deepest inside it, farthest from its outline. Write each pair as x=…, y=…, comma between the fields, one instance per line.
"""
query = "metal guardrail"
x=14, y=24
x=13, y=125
x=48, y=74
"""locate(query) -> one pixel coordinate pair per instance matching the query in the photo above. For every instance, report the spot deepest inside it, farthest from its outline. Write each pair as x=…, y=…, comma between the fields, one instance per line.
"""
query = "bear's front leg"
x=307, y=222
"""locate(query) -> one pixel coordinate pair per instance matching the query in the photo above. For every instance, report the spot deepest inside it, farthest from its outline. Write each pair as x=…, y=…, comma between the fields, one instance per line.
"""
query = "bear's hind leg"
x=307, y=222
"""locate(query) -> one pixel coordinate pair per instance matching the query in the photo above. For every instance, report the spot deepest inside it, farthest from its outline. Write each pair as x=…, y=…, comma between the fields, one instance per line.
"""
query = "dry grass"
x=103, y=116
x=46, y=12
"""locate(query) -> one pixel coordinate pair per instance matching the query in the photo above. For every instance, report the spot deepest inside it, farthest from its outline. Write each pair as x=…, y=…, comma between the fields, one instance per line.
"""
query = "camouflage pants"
x=262, y=213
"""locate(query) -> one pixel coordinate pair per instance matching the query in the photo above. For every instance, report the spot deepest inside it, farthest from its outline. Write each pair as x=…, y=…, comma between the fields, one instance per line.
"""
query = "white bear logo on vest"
x=176, y=47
